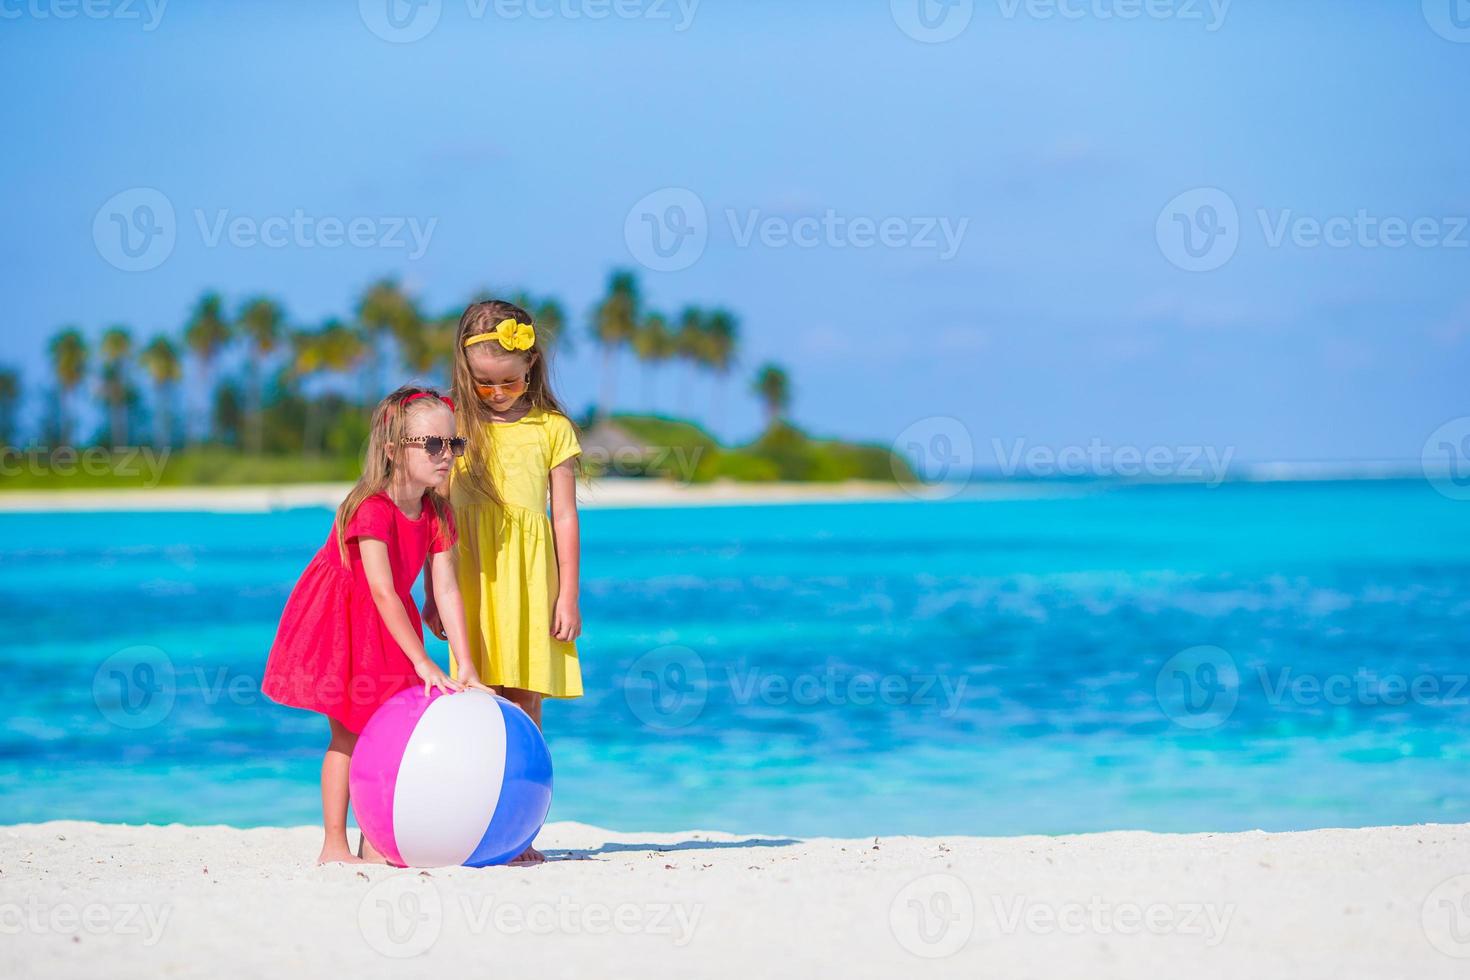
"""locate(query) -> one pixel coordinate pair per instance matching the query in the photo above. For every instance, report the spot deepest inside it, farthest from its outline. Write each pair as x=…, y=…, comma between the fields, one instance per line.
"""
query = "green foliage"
x=657, y=430
x=735, y=465
x=297, y=404
x=347, y=434
x=208, y=331
x=182, y=468
x=229, y=412
x=773, y=387
x=783, y=452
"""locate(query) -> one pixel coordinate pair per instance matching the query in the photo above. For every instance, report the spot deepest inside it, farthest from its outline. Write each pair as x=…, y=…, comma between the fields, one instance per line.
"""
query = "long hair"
x=390, y=422
x=473, y=416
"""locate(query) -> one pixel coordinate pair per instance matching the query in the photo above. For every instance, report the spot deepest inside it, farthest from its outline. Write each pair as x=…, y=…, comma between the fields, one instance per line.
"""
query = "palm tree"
x=343, y=348
x=9, y=398
x=69, y=360
x=117, y=347
x=614, y=323
x=335, y=348
x=774, y=388
x=550, y=320
x=307, y=361
x=206, y=334
x=689, y=348
x=431, y=352
x=653, y=343
x=721, y=331
x=261, y=321
x=161, y=360
x=385, y=310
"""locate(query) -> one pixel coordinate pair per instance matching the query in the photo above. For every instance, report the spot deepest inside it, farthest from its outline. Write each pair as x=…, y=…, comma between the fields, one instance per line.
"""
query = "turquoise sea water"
x=1172, y=658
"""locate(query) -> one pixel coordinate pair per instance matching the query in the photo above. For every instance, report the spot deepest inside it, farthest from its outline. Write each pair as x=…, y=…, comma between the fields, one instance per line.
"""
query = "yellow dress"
x=507, y=559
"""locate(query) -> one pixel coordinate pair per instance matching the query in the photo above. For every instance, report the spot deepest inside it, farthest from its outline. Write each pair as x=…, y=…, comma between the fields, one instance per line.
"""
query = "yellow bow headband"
x=512, y=336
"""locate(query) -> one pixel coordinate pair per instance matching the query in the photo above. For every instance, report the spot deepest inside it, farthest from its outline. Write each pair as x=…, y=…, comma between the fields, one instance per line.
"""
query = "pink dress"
x=333, y=652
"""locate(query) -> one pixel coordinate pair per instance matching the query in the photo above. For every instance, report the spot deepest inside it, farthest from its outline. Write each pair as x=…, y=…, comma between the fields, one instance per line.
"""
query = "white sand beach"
x=89, y=900
x=598, y=494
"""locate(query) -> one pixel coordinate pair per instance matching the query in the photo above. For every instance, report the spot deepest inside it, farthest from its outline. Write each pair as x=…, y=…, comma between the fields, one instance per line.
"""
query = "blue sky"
x=1055, y=137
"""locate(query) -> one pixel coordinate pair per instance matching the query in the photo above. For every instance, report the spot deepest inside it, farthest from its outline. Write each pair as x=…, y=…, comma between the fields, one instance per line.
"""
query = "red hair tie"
x=388, y=416
x=428, y=394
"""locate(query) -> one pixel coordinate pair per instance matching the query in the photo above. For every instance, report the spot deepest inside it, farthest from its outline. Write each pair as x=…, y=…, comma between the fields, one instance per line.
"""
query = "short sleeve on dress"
x=563, y=436
x=374, y=519
x=444, y=532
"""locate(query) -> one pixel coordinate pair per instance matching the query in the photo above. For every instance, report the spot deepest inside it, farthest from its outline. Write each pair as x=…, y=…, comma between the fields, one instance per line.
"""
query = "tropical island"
x=243, y=395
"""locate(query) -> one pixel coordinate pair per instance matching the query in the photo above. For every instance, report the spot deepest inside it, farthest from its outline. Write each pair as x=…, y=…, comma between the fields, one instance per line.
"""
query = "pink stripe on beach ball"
x=373, y=772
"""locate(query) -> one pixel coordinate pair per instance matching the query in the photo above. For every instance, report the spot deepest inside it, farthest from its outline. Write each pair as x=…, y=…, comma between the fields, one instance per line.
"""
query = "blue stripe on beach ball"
x=525, y=792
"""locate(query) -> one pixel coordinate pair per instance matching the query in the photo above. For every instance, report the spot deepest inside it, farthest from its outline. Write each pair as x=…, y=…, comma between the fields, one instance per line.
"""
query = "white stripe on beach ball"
x=449, y=783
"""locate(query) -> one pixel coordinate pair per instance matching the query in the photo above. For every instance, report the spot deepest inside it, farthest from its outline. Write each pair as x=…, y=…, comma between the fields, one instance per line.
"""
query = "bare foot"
x=338, y=855
x=530, y=856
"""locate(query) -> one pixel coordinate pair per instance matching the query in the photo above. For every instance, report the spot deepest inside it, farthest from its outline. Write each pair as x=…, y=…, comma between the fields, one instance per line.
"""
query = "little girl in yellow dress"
x=517, y=567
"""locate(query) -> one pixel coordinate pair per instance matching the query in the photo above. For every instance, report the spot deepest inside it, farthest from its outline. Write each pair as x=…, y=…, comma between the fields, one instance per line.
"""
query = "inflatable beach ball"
x=449, y=779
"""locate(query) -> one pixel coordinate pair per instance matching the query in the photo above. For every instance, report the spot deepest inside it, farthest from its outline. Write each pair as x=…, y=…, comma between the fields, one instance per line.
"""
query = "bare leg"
x=530, y=703
x=527, y=701
x=334, y=796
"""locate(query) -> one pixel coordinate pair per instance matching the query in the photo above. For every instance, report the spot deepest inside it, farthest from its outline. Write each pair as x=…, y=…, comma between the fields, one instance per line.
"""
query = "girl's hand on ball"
x=433, y=677
x=470, y=678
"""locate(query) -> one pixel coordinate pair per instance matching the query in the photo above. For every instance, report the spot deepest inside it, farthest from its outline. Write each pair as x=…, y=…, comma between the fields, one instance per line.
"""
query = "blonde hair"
x=390, y=424
x=473, y=416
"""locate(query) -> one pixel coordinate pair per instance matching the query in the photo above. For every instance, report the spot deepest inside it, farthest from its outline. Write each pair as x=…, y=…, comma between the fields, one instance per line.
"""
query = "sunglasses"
x=509, y=389
x=435, y=445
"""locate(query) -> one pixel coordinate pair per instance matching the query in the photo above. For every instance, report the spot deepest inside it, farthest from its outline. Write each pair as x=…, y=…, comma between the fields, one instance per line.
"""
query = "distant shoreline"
x=600, y=494
x=625, y=493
